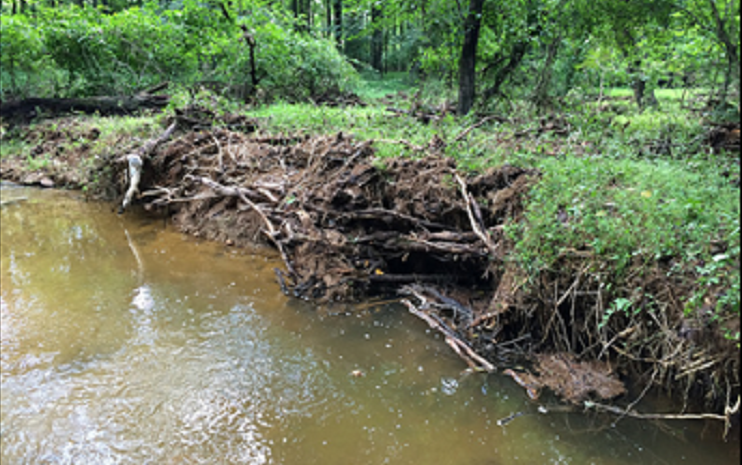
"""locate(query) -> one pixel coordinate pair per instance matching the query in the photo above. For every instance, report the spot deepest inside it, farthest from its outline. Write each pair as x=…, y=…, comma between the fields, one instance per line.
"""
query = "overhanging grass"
x=626, y=212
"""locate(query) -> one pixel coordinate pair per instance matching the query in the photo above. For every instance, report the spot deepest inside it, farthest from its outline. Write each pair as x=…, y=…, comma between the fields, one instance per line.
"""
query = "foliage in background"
x=73, y=51
x=539, y=50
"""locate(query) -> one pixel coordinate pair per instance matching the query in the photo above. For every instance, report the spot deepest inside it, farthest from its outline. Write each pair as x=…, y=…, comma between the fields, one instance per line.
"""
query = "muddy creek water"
x=124, y=341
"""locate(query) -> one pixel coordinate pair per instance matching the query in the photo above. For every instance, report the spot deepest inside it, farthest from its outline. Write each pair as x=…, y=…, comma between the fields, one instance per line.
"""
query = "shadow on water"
x=126, y=342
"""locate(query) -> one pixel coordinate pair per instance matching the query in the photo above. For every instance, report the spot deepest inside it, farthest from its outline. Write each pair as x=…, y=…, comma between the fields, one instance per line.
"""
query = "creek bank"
x=349, y=226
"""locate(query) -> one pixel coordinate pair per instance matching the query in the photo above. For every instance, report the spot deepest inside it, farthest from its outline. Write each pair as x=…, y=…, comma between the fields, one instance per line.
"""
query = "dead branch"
x=409, y=145
x=386, y=216
x=485, y=120
x=135, y=163
x=155, y=88
x=241, y=194
x=471, y=358
x=726, y=418
x=413, y=278
x=477, y=226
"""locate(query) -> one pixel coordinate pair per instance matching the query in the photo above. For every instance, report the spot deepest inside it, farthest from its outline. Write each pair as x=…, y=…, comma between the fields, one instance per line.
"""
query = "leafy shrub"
x=77, y=51
x=21, y=54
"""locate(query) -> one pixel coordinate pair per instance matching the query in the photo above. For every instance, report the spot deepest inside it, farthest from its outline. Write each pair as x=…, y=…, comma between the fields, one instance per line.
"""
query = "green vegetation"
x=80, y=51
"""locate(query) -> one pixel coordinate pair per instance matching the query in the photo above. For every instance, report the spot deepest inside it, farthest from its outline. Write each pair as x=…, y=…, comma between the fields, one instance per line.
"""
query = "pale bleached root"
x=135, y=161
x=135, y=174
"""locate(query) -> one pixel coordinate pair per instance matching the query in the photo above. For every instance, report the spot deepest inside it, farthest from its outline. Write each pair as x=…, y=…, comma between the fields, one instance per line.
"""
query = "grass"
x=635, y=213
x=372, y=122
x=374, y=87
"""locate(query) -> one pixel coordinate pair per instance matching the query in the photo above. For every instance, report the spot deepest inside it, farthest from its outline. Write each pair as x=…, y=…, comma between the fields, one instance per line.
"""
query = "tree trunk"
x=308, y=14
x=468, y=61
x=377, y=44
x=338, y=22
x=328, y=18
x=295, y=9
x=730, y=46
x=642, y=96
x=27, y=109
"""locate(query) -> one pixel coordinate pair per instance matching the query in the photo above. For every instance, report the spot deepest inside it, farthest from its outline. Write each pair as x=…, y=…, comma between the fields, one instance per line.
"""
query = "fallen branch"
x=409, y=145
x=385, y=215
x=413, y=278
x=476, y=223
x=240, y=192
x=726, y=418
x=153, y=89
x=28, y=109
x=461, y=348
x=135, y=174
x=485, y=120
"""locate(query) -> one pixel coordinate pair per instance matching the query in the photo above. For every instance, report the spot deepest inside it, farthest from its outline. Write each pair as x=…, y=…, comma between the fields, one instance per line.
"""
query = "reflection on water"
x=125, y=342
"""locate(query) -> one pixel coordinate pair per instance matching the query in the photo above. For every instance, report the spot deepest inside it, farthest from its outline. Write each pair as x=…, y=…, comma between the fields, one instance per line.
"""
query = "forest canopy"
x=486, y=51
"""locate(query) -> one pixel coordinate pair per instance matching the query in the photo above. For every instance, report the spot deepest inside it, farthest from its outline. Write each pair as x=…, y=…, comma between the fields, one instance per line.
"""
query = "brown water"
x=126, y=342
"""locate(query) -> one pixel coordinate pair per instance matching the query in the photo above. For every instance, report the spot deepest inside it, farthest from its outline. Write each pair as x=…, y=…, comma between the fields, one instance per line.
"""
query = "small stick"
x=476, y=227
x=219, y=155
x=661, y=416
x=487, y=119
x=241, y=194
x=451, y=339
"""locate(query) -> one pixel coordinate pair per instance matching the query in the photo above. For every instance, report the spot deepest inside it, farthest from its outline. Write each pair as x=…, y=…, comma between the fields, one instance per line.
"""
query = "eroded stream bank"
x=348, y=225
x=124, y=341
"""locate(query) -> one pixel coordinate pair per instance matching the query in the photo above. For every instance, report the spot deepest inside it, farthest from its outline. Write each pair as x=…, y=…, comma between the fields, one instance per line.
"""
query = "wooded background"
x=485, y=51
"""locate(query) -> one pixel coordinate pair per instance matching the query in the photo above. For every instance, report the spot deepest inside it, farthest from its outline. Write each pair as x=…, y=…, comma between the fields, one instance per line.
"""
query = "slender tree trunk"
x=338, y=22
x=642, y=95
x=385, y=52
x=468, y=61
x=627, y=44
x=541, y=92
x=730, y=46
x=328, y=18
x=295, y=10
x=377, y=44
